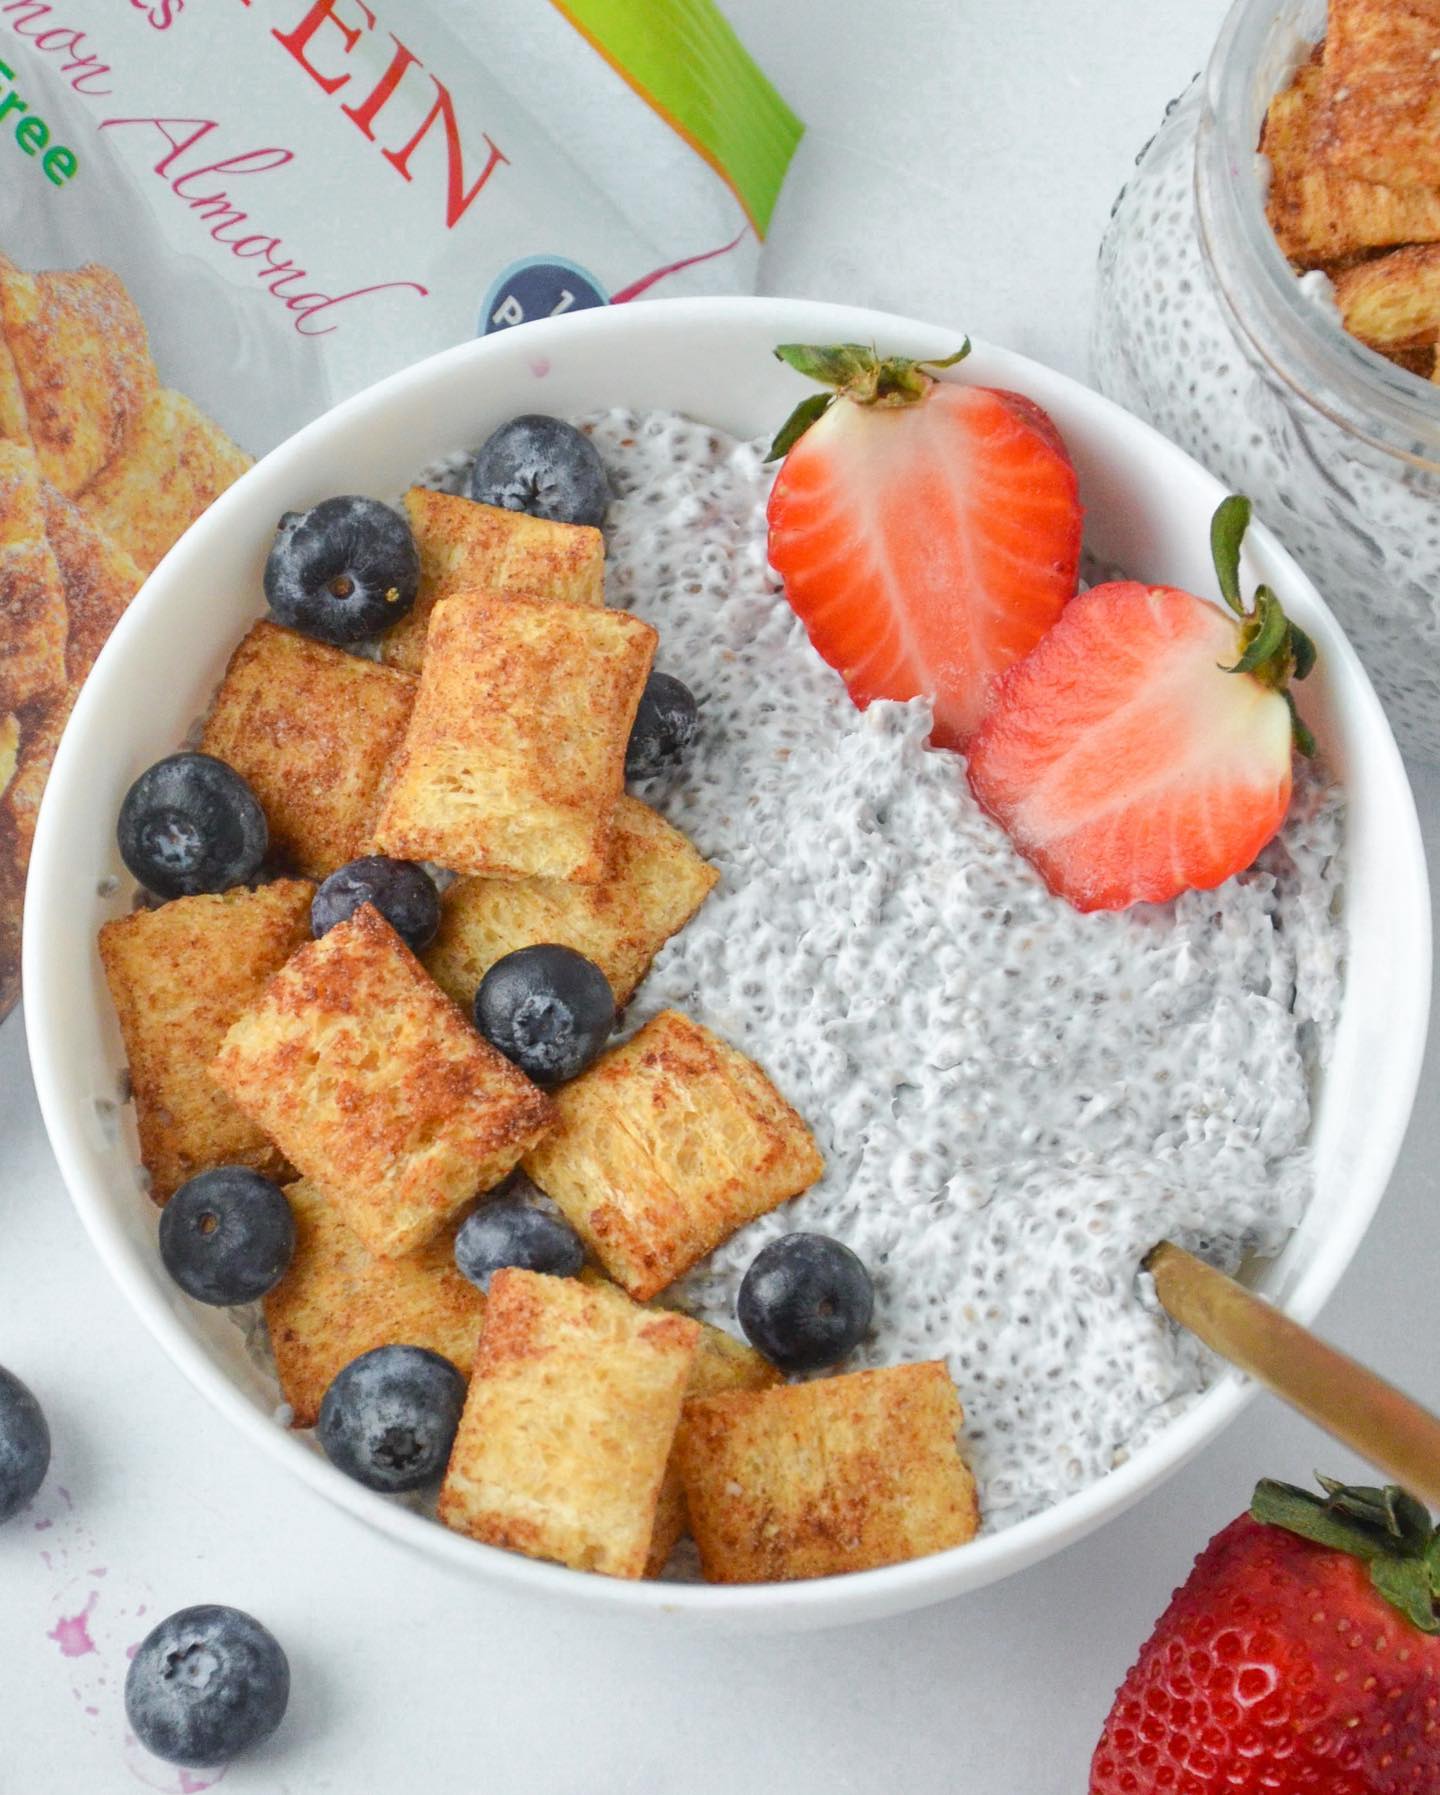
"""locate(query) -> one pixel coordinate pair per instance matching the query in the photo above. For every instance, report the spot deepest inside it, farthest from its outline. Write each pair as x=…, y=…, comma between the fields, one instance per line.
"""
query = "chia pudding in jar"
x=1204, y=328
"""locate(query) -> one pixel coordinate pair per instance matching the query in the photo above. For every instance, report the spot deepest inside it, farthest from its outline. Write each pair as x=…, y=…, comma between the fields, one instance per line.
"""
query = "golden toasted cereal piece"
x=179, y=977
x=568, y=1424
x=1320, y=216
x=172, y=464
x=1394, y=302
x=654, y=883
x=515, y=755
x=98, y=577
x=34, y=732
x=9, y=750
x=467, y=547
x=338, y=1300
x=315, y=731
x=374, y=1086
x=1382, y=94
x=28, y=740
x=97, y=580
x=32, y=597
x=722, y=1363
x=840, y=1474
x=665, y=1147
x=14, y=426
x=81, y=357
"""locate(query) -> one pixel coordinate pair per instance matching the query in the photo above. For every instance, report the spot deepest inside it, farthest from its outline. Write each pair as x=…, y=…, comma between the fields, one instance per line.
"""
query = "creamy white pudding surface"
x=1015, y=1101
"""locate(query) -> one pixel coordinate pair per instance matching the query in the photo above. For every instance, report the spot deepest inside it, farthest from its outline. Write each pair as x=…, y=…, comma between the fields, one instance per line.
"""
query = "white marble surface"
x=960, y=165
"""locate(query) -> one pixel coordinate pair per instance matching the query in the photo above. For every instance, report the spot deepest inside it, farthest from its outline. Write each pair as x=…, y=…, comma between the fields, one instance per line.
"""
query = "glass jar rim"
x=1305, y=345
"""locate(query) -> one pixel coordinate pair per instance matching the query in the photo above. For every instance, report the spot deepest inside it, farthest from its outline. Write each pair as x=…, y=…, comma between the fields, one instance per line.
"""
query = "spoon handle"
x=1358, y=1408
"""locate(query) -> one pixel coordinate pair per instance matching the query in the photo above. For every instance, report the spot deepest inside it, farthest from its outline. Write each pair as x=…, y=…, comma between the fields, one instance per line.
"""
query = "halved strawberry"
x=928, y=534
x=1144, y=748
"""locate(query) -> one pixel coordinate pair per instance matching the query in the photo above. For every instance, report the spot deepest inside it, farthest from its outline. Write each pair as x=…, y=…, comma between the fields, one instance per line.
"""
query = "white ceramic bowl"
x=1148, y=511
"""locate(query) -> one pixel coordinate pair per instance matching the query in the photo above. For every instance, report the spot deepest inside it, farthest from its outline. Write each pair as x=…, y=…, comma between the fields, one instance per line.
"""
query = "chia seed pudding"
x=1202, y=328
x=1015, y=1101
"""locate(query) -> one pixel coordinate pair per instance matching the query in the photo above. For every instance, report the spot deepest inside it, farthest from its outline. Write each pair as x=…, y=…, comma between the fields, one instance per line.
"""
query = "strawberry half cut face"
x=1145, y=747
x=928, y=534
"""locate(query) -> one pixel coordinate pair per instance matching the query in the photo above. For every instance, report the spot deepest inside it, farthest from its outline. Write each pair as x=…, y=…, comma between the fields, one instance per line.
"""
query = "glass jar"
x=1203, y=327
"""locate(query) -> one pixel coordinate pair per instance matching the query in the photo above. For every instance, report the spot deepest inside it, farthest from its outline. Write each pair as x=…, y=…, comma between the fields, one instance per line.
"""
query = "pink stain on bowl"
x=540, y=367
x=72, y=1631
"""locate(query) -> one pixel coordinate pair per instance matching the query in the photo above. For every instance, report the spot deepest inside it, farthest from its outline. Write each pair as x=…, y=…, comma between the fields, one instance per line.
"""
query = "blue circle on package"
x=539, y=287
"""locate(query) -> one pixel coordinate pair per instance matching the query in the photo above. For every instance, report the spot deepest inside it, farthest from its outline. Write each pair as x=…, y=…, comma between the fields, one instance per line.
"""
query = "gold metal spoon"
x=1358, y=1408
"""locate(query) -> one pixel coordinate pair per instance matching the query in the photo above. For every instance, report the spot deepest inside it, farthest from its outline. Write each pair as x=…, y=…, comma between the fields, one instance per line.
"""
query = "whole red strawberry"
x=928, y=533
x=1301, y=1655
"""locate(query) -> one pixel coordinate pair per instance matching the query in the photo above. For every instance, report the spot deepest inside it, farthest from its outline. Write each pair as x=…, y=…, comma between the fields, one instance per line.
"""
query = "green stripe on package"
x=684, y=60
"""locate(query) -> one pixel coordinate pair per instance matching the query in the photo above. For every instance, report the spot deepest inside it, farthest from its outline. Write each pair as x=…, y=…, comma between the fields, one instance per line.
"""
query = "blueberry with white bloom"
x=664, y=726
x=191, y=824
x=343, y=570
x=24, y=1445
x=548, y=1009
x=402, y=891
x=543, y=466
x=389, y=1418
x=509, y=1231
x=206, y=1684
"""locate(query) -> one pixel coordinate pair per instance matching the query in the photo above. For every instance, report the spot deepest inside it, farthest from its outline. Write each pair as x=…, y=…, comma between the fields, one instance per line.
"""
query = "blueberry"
x=543, y=466
x=546, y=1008
x=346, y=569
x=388, y=1419
x=401, y=891
x=805, y=1301
x=509, y=1231
x=227, y=1236
x=205, y=1685
x=664, y=726
x=24, y=1445
x=191, y=824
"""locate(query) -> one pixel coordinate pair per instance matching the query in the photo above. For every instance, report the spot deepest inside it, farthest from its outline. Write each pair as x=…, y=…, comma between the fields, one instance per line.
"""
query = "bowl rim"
x=821, y=1601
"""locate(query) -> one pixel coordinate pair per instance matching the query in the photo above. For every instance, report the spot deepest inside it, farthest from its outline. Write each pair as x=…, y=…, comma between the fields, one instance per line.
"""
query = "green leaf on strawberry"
x=1387, y=1528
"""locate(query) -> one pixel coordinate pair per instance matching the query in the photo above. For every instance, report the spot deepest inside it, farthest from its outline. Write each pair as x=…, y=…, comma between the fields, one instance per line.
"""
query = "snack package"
x=216, y=220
